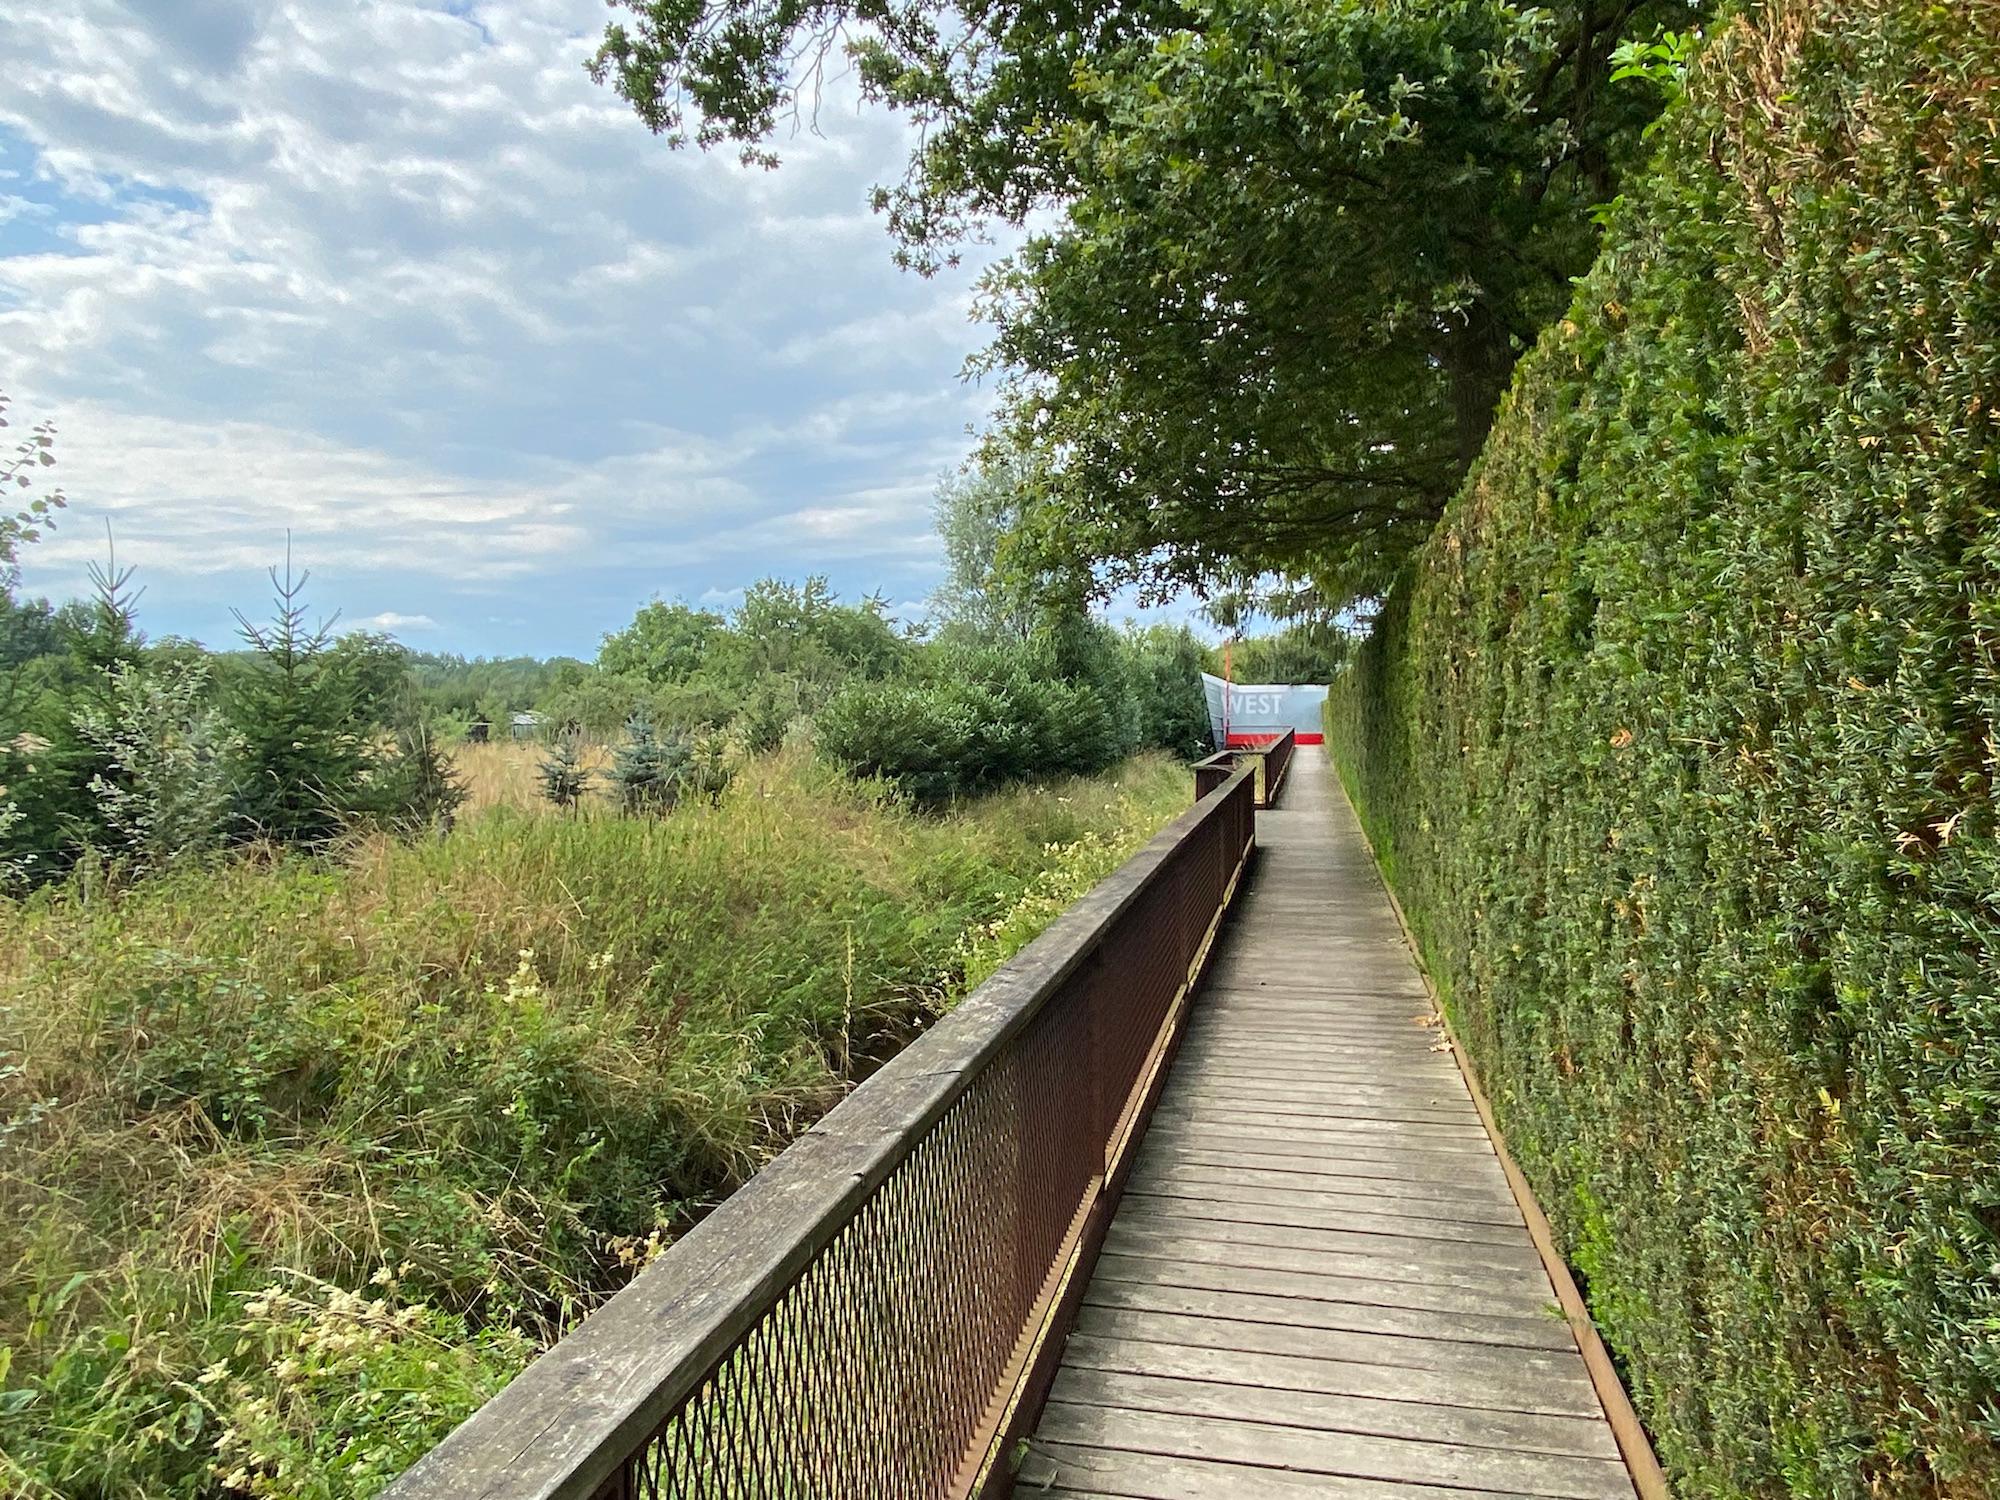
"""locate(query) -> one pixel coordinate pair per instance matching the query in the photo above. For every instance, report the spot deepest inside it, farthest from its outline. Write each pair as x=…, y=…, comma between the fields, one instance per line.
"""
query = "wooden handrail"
x=1275, y=755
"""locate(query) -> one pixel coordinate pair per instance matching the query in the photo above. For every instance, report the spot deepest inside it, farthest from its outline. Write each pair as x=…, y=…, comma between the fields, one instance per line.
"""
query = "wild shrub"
x=953, y=736
x=709, y=771
x=1165, y=667
x=648, y=768
x=170, y=761
x=307, y=746
x=563, y=774
x=1679, y=741
x=417, y=786
x=493, y=1071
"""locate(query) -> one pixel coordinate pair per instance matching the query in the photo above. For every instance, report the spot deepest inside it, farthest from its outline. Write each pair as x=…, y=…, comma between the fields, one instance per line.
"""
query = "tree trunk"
x=1480, y=362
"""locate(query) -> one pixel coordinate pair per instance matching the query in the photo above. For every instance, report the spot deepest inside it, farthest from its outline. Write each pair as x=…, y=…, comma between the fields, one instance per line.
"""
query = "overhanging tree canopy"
x=1301, y=242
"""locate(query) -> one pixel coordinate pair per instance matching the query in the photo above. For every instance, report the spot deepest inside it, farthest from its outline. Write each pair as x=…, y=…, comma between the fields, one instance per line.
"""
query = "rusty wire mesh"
x=886, y=1367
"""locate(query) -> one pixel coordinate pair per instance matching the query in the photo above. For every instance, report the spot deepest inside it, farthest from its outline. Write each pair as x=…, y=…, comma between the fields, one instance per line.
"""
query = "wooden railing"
x=1277, y=762
x=875, y=1313
x=1271, y=760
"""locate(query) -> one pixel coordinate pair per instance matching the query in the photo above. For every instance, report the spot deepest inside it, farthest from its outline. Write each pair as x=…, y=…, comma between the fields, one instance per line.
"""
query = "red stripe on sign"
x=1245, y=741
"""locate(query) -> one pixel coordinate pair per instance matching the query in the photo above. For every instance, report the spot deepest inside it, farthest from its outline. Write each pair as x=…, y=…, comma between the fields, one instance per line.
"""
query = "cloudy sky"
x=396, y=276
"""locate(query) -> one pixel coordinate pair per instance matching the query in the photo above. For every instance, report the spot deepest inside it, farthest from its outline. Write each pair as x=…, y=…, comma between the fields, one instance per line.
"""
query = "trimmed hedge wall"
x=1679, y=742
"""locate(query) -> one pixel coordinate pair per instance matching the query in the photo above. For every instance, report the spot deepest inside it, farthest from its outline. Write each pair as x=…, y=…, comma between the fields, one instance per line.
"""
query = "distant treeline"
x=151, y=751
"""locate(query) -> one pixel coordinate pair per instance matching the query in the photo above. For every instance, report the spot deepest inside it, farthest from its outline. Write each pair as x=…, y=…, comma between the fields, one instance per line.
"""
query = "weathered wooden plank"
x=1311, y=1041
x=1386, y=1057
x=1358, y=1278
x=1305, y=1033
x=1503, y=1266
x=1285, y=1115
x=1266, y=978
x=1337, y=1454
x=1360, y=1215
x=1306, y=1126
x=1201, y=1320
x=1383, y=1160
x=1449, y=1198
x=1430, y=1070
x=1383, y=1135
x=1319, y=1302
x=1398, y=1190
x=1367, y=1101
x=1271, y=1370
x=1425, y=1077
x=1467, y=1425
x=1383, y=1010
x=1066, y=1471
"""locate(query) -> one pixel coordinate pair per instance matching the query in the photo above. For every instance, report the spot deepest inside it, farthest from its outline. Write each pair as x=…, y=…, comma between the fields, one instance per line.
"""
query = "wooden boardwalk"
x=1318, y=1282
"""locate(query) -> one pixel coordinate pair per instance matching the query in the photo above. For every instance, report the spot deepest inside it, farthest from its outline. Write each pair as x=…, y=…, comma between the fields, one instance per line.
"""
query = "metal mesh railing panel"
x=883, y=1371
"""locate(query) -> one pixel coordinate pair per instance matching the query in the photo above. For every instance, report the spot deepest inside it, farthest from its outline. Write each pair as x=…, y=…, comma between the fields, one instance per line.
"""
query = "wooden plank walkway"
x=1318, y=1282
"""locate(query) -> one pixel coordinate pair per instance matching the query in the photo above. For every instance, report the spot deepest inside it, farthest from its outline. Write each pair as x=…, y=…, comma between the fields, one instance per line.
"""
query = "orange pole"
x=1227, y=642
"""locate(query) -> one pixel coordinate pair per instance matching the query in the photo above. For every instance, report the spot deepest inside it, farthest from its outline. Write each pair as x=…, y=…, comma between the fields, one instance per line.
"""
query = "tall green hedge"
x=1679, y=739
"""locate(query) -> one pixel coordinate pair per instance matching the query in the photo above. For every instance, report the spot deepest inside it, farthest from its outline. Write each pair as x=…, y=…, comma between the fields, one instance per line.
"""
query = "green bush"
x=1166, y=663
x=648, y=768
x=986, y=718
x=1679, y=742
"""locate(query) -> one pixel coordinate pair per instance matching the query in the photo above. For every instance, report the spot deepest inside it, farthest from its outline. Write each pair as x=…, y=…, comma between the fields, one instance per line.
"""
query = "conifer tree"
x=648, y=769
x=306, y=758
x=564, y=776
x=420, y=788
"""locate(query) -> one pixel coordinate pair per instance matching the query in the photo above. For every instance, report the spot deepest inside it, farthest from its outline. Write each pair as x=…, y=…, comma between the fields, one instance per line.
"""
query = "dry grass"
x=503, y=773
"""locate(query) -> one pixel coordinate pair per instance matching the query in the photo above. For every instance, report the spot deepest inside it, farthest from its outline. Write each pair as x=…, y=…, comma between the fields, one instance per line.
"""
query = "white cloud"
x=391, y=621
x=396, y=276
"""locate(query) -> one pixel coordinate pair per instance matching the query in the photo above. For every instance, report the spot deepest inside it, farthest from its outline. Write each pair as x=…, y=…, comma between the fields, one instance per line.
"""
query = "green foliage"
x=947, y=737
x=1074, y=868
x=335, y=1392
x=458, y=690
x=1312, y=651
x=1297, y=247
x=301, y=719
x=169, y=761
x=416, y=786
x=1662, y=63
x=981, y=600
x=148, y=752
x=303, y=1158
x=1410, y=184
x=1077, y=698
x=665, y=643
x=31, y=506
x=767, y=712
x=648, y=768
x=778, y=657
x=709, y=771
x=1164, y=667
x=803, y=631
x=1679, y=741
x=563, y=774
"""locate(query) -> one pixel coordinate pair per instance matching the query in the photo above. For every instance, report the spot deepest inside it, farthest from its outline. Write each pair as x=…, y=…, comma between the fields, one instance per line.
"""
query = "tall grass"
x=506, y=773
x=300, y=1162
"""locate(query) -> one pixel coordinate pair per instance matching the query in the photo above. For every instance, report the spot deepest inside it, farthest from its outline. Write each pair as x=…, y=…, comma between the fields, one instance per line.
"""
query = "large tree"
x=1297, y=247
